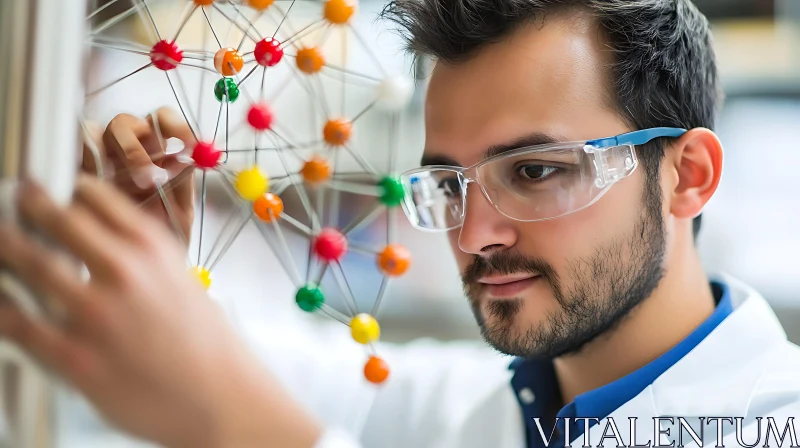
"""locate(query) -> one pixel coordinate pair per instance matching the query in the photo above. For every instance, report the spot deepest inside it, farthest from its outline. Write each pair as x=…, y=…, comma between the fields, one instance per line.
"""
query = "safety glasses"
x=528, y=184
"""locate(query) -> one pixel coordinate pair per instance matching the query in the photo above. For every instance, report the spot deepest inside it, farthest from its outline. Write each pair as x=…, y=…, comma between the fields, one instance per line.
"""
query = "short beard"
x=606, y=287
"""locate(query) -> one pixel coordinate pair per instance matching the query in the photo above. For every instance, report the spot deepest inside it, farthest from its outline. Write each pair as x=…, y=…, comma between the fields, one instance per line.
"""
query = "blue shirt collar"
x=538, y=376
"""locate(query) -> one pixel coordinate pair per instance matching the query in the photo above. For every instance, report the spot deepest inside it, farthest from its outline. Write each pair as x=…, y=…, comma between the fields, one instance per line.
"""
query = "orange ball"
x=394, y=260
x=376, y=370
x=228, y=61
x=316, y=170
x=266, y=204
x=310, y=60
x=260, y=5
x=203, y=2
x=339, y=12
x=337, y=131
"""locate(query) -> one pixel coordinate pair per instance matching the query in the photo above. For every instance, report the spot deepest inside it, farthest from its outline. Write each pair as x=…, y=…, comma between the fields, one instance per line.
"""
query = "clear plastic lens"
x=539, y=185
x=526, y=185
x=435, y=198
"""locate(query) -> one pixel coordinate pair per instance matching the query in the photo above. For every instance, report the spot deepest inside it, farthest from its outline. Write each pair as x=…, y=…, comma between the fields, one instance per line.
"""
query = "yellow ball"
x=202, y=275
x=365, y=328
x=251, y=184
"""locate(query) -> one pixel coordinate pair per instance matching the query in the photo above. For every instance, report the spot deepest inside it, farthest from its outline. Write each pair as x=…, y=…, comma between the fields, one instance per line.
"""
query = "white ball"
x=395, y=92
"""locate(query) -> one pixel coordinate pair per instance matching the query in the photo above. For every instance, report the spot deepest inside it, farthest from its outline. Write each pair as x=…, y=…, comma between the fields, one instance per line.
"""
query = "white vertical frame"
x=41, y=86
x=56, y=95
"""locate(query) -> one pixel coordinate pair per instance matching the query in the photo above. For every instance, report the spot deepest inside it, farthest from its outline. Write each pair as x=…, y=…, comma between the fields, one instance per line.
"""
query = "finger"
x=94, y=152
x=108, y=203
x=42, y=270
x=167, y=124
x=172, y=125
x=183, y=190
x=75, y=227
x=92, y=195
x=132, y=146
x=115, y=210
x=54, y=349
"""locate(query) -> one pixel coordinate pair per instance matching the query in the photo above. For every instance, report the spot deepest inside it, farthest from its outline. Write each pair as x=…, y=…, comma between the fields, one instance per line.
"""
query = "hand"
x=134, y=158
x=141, y=340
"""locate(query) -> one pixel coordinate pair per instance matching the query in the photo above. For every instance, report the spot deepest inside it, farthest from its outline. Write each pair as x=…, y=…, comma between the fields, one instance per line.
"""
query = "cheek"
x=579, y=235
x=462, y=258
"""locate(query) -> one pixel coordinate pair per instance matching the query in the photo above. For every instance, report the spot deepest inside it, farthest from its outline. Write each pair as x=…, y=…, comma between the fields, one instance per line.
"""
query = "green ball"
x=233, y=89
x=309, y=298
x=393, y=191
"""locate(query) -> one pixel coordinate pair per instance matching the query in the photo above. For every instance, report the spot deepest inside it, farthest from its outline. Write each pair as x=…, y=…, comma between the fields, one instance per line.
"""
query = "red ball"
x=260, y=117
x=166, y=55
x=330, y=245
x=205, y=155
x=268, y=52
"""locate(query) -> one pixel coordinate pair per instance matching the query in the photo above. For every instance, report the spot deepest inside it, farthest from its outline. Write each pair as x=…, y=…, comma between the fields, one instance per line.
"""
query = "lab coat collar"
x=727, y=365
x=603, y=400
x=717, y=378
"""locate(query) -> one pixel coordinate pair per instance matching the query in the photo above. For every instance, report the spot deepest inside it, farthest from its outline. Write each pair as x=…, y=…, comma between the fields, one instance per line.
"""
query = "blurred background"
x=751, y=228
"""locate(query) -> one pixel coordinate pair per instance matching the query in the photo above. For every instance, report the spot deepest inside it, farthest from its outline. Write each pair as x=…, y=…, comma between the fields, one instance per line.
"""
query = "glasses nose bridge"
x=469, y=176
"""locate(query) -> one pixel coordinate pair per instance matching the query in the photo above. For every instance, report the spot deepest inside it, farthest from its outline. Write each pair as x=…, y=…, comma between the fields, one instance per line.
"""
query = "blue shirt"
x=537, y=391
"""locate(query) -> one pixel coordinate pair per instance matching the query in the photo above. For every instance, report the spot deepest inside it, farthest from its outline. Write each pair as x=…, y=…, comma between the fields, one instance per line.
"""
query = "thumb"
x=172, y=125
x=182, y=175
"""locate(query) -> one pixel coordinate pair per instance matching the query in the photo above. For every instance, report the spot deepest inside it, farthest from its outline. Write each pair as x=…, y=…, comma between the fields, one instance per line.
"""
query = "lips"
x=508, y=285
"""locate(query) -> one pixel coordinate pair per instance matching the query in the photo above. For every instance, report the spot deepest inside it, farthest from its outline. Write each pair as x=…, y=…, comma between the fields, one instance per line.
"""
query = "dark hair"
x=664, y=72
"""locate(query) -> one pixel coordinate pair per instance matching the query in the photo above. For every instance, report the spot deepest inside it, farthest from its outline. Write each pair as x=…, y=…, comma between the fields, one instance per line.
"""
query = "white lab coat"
x=458, y=395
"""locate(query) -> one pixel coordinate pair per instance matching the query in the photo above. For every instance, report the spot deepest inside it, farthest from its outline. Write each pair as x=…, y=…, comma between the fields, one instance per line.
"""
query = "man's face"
x=544, y=288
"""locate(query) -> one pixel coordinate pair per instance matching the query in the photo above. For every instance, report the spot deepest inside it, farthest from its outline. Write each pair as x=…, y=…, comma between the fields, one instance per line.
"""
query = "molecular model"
x=235, y=64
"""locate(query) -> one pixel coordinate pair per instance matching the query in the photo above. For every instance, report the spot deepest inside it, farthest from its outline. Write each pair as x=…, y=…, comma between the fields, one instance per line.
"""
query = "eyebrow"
x=438, y=159
x=537, y=138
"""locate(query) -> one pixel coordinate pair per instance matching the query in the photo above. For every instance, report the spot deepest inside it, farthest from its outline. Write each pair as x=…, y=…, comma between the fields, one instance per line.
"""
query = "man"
x=569, y=154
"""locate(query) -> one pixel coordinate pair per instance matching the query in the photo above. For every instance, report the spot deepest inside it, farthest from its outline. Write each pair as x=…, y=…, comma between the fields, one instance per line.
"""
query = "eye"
x=451, y=187
x=535, y=172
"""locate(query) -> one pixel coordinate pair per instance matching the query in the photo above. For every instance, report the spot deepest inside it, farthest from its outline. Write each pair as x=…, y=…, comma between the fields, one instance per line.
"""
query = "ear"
x=697, y=161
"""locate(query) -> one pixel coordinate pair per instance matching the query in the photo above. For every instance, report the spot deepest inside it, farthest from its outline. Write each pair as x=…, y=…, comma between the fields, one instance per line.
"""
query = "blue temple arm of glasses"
x=636, y=137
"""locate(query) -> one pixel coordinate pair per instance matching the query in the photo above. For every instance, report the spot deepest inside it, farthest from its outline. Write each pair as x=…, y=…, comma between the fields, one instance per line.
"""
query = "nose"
x=485, y=230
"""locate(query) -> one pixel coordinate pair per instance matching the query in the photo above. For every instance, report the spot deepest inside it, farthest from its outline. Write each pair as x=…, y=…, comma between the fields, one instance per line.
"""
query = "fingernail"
x=185, y=156
x=149, y=177
x=160, y=175
x=176, y=164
